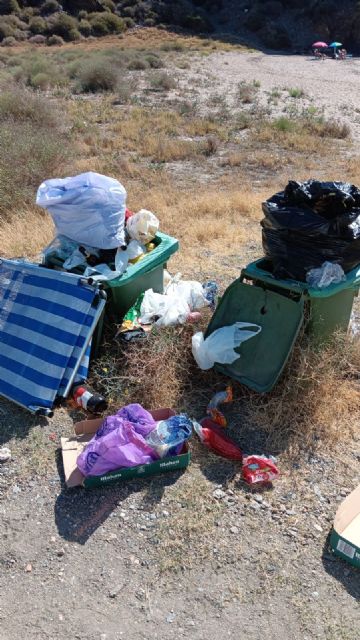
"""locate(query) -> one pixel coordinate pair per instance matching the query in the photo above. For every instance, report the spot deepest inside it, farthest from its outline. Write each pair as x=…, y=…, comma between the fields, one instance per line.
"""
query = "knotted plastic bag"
x=88, y=208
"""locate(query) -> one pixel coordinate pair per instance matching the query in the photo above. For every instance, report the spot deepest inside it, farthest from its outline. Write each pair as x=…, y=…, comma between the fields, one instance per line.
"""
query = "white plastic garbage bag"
x=219, y=346
x=143, y=226
x=165, y=310
x=329, y=273
x=88, y=208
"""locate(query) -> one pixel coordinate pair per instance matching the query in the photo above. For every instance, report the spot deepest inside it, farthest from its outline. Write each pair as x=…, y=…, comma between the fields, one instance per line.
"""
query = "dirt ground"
x=194, y=554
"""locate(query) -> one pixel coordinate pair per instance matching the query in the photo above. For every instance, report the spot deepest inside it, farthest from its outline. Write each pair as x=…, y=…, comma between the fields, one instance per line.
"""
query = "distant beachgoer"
x=342, y=54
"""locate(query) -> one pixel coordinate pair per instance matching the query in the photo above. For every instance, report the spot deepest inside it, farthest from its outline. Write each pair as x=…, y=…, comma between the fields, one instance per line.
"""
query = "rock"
x=219, y=494
x=28, y=568
x=5, y=454
x=317, y=527
x=165, y=513
x=258, y=497
x=171, y=617
x=255, y=505
x=60, y=552
x=234, y=530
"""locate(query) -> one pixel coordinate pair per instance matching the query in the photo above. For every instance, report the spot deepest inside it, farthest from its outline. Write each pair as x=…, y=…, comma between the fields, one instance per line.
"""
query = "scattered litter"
x=329, y=273
x=214, y=438
x=142, y=226
x=169, y=435
x=211, y=291
x=5, y=454
x=345, y=536
x=175, y=306
x=220, y=345
x=222, y=397
x=88, y=400
x=259, y=469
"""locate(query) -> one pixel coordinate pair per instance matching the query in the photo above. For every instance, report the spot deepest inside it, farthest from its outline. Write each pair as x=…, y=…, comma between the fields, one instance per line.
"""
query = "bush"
x=162, y=81
x=50, y=6
x=54, y=41
x=82, y=15
x=63, y=25
x=37, y=25
x=105, y=23
x=38, y=39
x=25, y=106
x=9, y=6
x=21, y=35
x=154, y=61
x=97, y=77
x=138, y=64
x=85, y=28
x=41, y=81
x=109, y=4
x=5, y=30
x=8, y=42
x=74, y=35
x=129, y=23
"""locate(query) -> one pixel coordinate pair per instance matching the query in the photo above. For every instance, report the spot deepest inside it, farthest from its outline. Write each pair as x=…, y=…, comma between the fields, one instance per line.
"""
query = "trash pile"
x=135, y=441
x=95, y=230
x=310, y=224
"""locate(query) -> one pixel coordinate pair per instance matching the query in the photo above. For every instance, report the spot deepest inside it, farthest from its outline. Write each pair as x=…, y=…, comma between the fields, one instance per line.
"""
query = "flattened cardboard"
x=84, y=431
x=345, y=537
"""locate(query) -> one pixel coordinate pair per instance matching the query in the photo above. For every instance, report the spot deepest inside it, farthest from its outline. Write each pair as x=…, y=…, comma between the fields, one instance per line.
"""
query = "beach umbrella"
x=319, y=45
x=335, y=45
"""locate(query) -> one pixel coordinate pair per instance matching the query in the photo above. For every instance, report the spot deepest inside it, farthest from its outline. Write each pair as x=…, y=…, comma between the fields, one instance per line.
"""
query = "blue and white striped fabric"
x=46, y=322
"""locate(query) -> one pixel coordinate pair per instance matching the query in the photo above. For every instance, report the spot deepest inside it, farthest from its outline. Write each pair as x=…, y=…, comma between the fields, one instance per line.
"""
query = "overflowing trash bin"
x=307, y=280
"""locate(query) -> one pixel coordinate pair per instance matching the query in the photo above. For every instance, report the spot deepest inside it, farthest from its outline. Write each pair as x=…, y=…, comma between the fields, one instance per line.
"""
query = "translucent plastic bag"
x=88, y=208
x=220, y=345
x=143, y=226
x=329, y=273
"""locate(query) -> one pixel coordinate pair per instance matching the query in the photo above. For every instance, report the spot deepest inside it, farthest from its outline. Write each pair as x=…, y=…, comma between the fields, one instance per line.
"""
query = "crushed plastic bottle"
x=169, y=435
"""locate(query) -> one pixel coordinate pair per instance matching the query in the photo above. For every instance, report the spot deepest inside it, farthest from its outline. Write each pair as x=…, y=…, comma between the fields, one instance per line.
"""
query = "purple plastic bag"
x=119, y=442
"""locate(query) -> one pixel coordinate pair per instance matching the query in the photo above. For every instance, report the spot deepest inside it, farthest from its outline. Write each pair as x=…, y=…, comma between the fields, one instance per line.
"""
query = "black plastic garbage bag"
x=310, y=223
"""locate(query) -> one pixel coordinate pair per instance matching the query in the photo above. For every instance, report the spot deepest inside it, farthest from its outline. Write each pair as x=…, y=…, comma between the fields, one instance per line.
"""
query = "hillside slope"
x=273, y=24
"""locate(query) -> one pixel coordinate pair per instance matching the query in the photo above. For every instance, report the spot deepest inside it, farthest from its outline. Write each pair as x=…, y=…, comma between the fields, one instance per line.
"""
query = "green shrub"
x=9, y=6
x=6, y=31
x=50, y=6
x=162, y=81
x=54, y=41
x=37, y=25
x=296, y=93
x=97, y=77
x=8, y=42
x=138, y=64
x=41, y=81
x=105, y=23
x=129, y=23
x=85, y=28
x=20, y=35
x=284, y=124
x=63, y=25
x=154, y=61
x=74, y=35
x=82, y=15
x=173, y=45
x=109, y=4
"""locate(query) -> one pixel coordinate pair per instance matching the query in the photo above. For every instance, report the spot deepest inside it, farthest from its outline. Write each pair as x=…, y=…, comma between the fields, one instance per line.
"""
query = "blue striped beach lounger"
x=47, y=319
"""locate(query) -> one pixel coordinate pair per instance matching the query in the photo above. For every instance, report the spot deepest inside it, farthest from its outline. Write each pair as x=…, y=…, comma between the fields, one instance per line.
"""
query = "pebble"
x=28, y=568
x=165, y=513
x=317, y=527
x=171, y=617
x=60, y=552
x=234, y=530
x=255, y=505
x=219, y=494
x=16, y=489
x=258, y=498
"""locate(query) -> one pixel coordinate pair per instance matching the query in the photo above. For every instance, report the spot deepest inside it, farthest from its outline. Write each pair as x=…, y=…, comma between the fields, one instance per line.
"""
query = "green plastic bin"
x=280, y=308
x=328, y=309
x=148, y=273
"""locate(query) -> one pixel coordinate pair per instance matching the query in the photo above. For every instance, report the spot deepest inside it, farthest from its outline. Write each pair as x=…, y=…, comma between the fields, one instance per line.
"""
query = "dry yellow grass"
x=26, y=234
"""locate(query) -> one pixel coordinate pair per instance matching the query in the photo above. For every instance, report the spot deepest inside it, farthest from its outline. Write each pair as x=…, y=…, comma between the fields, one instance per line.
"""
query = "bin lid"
x=262, y=358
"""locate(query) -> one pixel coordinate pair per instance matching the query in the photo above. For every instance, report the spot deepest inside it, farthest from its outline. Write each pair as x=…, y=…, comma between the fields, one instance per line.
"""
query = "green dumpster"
x=281, y=308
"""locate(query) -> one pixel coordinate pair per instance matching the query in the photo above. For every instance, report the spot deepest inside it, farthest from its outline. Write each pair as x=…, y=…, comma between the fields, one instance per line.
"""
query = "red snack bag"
x=258, y=469
x=213, y=437
x=128, y=214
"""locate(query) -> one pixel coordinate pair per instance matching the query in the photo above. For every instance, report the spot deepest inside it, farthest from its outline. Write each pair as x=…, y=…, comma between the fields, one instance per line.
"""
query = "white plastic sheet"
x=220, y=345
x=88, y=208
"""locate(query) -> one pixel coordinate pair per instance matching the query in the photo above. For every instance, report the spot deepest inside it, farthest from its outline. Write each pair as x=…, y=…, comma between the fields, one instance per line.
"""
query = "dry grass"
x=26, y=234
x=317, y=402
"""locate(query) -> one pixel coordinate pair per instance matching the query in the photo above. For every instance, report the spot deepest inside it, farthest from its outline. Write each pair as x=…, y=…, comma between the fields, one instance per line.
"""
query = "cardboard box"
x=345, y=537
x=84, y=431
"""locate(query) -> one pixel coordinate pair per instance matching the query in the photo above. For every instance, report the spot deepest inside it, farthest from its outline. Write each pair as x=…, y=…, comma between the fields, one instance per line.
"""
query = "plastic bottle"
x=93, y=402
